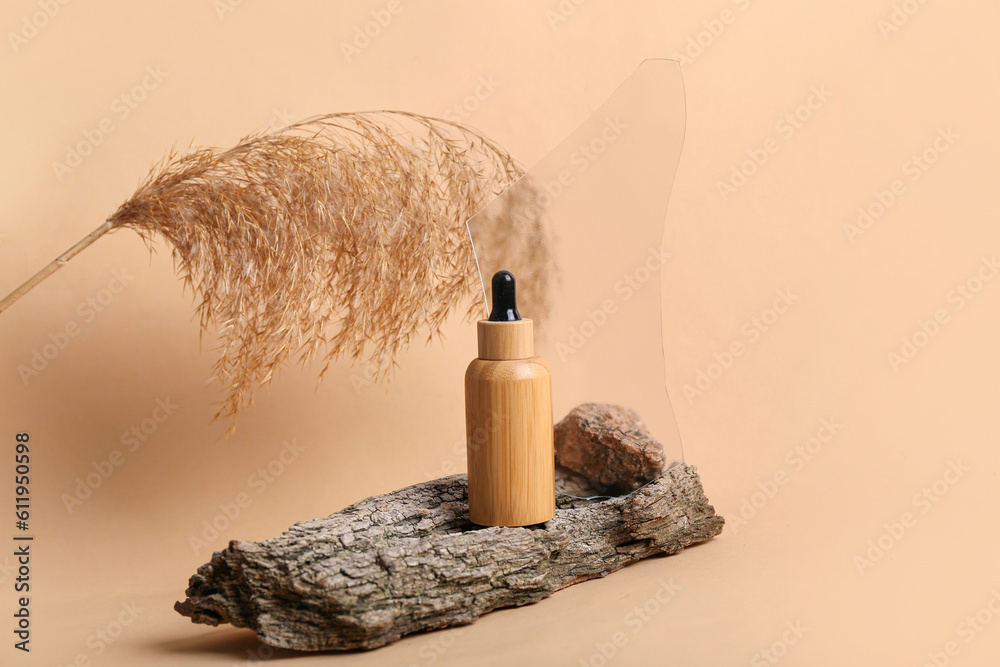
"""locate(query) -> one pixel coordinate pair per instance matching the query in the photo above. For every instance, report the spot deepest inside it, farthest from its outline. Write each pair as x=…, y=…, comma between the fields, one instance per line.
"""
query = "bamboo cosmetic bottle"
x=508, y=418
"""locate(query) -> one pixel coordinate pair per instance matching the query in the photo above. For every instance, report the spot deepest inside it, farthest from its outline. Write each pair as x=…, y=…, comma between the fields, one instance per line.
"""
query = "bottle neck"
x=504, y=341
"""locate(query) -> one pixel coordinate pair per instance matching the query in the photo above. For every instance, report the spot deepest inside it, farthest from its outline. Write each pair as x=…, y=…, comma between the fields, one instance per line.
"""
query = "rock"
x=609, y=445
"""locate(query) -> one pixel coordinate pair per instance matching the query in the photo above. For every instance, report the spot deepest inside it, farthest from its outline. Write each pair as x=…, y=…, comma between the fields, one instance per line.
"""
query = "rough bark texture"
x=410, y=560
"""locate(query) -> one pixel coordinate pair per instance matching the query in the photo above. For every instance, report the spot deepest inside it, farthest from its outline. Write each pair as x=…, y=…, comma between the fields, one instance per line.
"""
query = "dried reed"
x=342, y=236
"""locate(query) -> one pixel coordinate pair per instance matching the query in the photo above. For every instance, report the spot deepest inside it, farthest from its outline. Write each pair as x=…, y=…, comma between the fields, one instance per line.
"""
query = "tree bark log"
x=410, y=560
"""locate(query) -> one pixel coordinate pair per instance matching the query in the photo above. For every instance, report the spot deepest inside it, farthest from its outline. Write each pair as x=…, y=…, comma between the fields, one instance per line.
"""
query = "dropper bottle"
x=508, y=416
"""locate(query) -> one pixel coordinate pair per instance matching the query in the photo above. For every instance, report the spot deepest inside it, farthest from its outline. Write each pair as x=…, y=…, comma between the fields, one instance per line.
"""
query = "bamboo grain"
x=509, y=429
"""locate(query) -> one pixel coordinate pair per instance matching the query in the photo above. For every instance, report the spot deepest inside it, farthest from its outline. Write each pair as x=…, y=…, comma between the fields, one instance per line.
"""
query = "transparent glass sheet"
x=582, y=232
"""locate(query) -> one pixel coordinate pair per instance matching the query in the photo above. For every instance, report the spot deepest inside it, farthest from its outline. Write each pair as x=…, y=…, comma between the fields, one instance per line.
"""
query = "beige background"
x=792, y=562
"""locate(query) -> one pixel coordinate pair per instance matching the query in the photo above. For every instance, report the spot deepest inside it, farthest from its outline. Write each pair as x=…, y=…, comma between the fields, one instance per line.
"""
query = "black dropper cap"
x=504, y=298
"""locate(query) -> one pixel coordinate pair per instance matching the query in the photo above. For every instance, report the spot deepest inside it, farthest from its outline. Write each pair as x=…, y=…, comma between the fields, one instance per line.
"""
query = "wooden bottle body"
x=509, y=442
